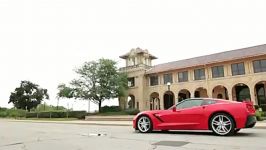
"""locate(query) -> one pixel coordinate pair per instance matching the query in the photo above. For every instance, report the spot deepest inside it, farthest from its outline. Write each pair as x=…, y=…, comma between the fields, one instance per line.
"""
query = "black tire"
x=141, y=124
x=222, y=124
x=237, y=130
x=165, y=131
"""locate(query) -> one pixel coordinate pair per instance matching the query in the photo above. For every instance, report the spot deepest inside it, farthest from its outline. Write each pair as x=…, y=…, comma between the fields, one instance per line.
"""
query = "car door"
x=188, y=114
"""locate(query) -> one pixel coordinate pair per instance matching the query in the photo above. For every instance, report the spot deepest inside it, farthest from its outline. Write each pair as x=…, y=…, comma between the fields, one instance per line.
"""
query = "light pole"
x=88, y=106
x=168, y=85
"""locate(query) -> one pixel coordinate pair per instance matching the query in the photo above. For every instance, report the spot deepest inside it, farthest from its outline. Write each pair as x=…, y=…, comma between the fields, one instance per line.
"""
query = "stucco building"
x=234, y=75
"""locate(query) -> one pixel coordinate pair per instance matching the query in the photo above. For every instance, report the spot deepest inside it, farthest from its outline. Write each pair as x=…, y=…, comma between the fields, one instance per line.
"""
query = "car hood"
x=152, y=112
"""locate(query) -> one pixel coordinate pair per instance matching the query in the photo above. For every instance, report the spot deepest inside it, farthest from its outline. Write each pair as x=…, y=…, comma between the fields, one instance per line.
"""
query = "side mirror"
x=174, y=109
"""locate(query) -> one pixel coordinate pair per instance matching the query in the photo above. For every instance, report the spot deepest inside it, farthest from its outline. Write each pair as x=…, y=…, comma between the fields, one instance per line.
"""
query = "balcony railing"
x=123, y=69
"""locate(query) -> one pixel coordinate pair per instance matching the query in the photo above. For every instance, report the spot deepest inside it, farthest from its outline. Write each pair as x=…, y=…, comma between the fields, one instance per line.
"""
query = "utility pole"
x=88, y=106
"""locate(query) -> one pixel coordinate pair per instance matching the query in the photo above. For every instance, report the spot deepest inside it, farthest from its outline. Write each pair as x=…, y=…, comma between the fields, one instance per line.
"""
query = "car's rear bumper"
x=251, y=121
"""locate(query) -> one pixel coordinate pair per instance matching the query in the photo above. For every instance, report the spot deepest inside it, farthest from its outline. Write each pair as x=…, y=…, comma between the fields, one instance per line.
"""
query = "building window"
x=131, y=82
x=167, y=78
x=218, y=71
x=259, y=66
x=199, y=74
x=238, y=69
x=182, y=76
x=153, y=80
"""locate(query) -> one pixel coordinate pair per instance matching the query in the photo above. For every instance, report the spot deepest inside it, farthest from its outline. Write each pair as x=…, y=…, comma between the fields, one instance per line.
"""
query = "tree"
x=64, y=92
x=98, y=81
x=28, y=95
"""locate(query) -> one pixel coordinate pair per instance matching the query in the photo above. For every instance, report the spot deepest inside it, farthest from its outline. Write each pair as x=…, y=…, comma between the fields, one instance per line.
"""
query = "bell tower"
x=137, y=62
x=137, y=58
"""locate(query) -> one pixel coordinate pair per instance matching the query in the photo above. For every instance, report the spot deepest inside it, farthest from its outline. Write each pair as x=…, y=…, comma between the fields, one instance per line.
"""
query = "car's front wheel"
x=144, y=124
x=222, y=124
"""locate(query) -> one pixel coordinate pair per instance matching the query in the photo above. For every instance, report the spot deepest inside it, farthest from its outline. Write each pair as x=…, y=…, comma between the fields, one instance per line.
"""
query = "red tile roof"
x=208, y=59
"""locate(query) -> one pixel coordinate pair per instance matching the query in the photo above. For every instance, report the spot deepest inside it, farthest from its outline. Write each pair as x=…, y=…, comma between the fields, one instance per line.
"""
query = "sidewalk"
x=259, y=125
x=109, y=118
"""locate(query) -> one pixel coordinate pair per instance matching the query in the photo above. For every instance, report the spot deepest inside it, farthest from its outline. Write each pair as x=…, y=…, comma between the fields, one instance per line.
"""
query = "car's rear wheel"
x=144, y=124
x=222, y=124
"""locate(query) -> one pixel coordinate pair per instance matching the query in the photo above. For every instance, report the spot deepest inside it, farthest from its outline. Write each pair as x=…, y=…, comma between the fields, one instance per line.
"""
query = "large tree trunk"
x=100, y=105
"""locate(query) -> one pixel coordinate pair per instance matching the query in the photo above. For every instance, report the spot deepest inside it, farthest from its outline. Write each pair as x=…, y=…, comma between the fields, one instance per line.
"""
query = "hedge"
x=259, y=115
x=57, y=114
x=110, y=109
x=4, y=112
x=132, y=111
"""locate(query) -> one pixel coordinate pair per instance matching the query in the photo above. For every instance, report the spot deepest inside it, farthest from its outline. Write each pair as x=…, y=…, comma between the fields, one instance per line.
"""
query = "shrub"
x=46, y=114
x=31, y=115
x=262, y=113
x=3, y=114
x=258, y=115
x=16, y=113
x=132, y=111
x=110, y=109
x=77, y=114
x=2, y=109
x=57, y=114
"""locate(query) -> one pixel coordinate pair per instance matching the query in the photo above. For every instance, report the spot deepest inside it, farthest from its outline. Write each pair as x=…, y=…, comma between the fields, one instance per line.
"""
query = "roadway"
x=53, y=136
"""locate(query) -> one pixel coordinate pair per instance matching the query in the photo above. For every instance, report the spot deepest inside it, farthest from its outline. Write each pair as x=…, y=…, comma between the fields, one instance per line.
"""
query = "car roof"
x=215, y=99
x=204, y=98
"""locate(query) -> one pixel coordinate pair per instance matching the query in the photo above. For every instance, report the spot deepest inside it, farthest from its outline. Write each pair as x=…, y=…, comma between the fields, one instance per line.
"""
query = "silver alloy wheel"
x=221, y=124
x=144, y=124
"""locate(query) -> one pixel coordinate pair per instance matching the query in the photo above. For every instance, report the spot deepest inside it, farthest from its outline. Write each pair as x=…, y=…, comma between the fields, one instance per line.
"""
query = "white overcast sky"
x=43, y=40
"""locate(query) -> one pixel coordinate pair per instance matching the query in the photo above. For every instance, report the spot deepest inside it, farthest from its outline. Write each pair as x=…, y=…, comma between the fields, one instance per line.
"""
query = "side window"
x=189, y=103
x=208, y=102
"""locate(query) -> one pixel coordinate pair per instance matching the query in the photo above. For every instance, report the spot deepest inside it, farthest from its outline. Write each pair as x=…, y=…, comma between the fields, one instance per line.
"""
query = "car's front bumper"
x=251, y=121
x=134, y=124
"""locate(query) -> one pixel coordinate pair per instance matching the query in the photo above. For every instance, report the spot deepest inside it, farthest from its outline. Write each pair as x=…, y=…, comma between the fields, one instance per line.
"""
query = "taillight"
x=249, y=106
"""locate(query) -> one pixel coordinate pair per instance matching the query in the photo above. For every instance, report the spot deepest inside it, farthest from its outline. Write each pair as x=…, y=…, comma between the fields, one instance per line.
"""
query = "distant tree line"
x=97, y=81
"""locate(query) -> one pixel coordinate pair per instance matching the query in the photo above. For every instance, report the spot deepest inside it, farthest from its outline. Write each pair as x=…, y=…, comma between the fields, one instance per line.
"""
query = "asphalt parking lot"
x=52, y=136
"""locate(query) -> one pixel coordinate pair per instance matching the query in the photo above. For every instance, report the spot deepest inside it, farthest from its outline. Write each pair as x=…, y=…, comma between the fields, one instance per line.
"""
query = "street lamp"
x=168, y=85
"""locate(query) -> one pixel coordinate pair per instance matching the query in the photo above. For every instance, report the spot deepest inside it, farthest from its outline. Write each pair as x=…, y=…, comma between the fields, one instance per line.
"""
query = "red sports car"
x=223, y=117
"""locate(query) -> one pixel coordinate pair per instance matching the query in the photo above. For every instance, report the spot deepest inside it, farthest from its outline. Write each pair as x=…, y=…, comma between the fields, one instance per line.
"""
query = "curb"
x=109, y=118
x=259, y=127
x=75, y=123
x=99, y=124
